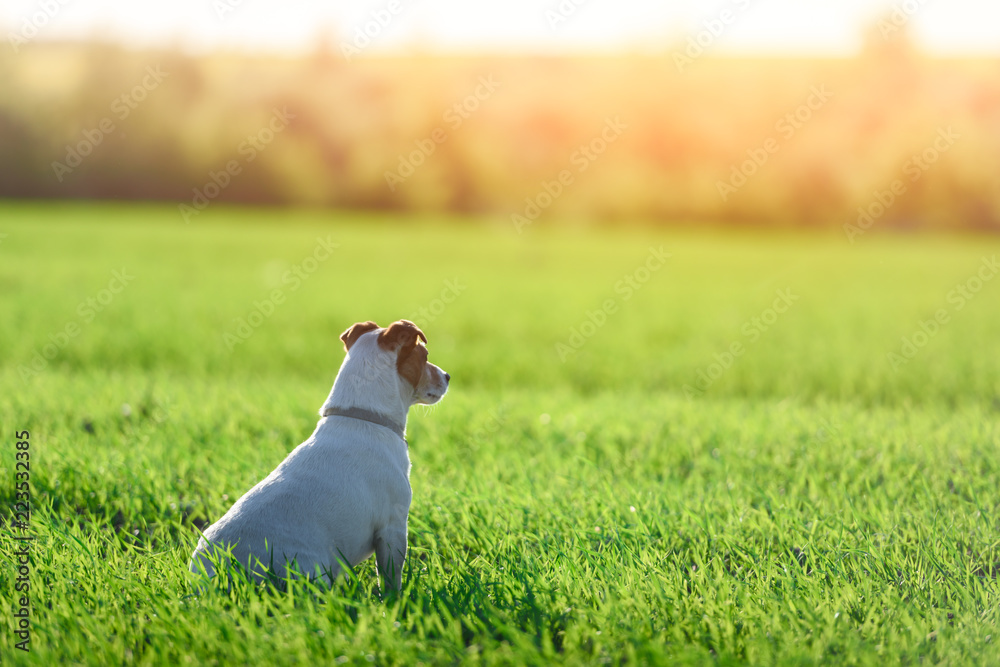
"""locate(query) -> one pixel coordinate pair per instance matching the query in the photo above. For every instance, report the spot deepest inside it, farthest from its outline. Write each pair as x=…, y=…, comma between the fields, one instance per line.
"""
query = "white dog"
x=344, y=493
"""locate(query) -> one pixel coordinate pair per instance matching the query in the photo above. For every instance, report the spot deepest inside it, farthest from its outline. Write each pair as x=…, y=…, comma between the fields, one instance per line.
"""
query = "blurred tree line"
x=820, y=142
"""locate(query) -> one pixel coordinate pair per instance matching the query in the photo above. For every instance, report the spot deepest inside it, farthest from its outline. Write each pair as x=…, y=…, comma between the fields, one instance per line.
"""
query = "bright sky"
x=750, y=26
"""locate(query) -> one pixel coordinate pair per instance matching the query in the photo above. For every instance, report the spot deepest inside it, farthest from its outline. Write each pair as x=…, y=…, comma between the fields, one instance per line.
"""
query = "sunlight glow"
x=562, y=26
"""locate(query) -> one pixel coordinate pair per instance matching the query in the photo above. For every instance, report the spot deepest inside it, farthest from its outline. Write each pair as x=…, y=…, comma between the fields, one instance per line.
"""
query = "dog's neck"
x=374, y=391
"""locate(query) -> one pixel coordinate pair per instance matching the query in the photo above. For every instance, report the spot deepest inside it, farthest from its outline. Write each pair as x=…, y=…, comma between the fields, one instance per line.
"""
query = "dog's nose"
x=447, y=377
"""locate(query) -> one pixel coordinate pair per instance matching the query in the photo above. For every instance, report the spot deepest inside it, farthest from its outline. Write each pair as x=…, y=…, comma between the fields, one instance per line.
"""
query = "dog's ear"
x=351, y=336
x=402, y=333
x=402, y=337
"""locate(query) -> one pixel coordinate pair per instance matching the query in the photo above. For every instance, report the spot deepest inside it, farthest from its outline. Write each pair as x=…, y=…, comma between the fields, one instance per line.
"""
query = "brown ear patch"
x=403, y=332
x=402, y=336
x=410, y=363
x=351, y=336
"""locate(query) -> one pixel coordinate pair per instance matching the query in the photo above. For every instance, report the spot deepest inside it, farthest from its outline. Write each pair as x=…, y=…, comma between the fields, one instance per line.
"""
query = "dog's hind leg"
x=390, y=552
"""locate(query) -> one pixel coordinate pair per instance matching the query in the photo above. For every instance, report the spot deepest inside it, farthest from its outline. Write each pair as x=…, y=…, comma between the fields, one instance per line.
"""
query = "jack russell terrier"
x=344, y=493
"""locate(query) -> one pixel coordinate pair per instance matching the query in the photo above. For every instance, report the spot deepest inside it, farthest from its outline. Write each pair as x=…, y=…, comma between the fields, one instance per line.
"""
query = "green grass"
x=811, y=505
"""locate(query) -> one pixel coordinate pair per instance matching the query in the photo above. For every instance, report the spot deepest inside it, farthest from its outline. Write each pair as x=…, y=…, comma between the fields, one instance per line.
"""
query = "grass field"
x=726, y=465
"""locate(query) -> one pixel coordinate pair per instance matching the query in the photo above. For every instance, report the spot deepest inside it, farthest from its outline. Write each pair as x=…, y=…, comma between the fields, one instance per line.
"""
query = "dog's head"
x=404, y=347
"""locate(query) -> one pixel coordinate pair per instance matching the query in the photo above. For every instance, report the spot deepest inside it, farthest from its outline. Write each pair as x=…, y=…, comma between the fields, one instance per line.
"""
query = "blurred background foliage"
x=354, y=122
